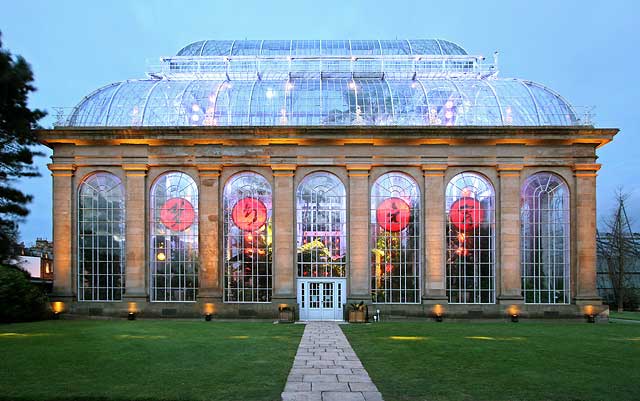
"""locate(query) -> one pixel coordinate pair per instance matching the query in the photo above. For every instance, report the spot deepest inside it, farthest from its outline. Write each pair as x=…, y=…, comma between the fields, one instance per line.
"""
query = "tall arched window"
x=246, y=239
x=470, y=238
x=321, y=209
x=174, y=238
x=395, y=239
x=545, y=239
x=101, y=238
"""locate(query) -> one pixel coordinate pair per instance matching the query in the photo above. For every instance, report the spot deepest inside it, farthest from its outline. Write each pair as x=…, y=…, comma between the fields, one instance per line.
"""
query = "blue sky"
x=585, y=50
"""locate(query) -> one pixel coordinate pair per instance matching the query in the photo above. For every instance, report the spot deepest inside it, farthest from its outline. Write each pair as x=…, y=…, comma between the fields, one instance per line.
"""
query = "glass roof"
x=321, y=47
x=428, y=82
x=321, y=102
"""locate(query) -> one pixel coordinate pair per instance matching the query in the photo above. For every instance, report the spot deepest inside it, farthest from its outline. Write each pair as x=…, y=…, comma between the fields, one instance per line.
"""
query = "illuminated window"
x=321, y=226
x=470, y=238
x=247, y=239
x=174, y=238
x=395, y=239
x=545, y=239
x=101, y=238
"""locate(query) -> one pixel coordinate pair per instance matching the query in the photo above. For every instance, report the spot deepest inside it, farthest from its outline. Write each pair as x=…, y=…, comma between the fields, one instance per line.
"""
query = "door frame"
x=339, y=299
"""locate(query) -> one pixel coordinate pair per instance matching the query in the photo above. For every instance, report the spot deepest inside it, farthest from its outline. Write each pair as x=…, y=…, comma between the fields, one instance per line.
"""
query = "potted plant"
x=358, y=314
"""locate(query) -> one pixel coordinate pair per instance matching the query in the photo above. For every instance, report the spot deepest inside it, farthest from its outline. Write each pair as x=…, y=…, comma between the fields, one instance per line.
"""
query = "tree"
x=618, y=247
x=17, y=135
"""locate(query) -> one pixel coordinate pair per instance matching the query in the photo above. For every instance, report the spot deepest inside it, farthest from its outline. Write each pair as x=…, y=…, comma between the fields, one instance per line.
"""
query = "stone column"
x=208, y=210
x=283, y=231
x=63, y=283
x=508, y=272
x=359, y=288
x=136, y=223
x=434, y=277
x=585, y=237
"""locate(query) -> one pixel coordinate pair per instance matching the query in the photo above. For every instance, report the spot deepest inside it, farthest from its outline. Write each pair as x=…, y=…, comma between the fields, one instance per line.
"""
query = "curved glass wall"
x=174, y=238
x=321, y=232
x=247, y=238
x=101, y=238
x=470, y=239
x=395, y=239
x=544, y=237
x=323, y=101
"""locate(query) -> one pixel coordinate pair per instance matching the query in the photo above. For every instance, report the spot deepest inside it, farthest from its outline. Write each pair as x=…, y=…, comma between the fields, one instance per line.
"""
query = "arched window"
x=101, y=238
x=545, y=239
x=174, y=238
x=247, y=239
x=321, y=208
x=395, y=239
x=470, y=238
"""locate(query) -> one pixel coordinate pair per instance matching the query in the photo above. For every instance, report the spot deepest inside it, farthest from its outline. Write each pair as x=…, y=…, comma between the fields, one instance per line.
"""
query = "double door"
x=321, y=299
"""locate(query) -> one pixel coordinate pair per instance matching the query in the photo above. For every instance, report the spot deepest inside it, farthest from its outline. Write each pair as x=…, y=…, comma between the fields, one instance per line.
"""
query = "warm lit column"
x=62, y=229
x=510, y=290
x=359, y=232
x=208, y=227
x=283, y=239
x=135, y=206
x=585, y=226
x=434, y=283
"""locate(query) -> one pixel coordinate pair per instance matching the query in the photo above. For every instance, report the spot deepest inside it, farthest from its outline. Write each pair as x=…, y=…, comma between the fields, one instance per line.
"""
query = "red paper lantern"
x=249, y=214
x=393, y=214
x=466, y=214
x=177, y=214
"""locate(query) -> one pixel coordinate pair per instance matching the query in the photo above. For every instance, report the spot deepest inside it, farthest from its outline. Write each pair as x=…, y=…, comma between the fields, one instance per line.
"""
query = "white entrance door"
x=321, y=299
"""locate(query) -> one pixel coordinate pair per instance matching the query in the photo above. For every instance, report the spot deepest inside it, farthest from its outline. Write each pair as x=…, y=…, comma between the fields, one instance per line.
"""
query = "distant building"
x=632, y=275
x=37, y=260
x=245, y=175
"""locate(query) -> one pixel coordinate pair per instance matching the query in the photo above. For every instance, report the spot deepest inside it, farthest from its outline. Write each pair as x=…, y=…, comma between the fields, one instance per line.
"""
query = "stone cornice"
x=586, y=169
x=510, y=170
x=310, y=136
x=61, y=170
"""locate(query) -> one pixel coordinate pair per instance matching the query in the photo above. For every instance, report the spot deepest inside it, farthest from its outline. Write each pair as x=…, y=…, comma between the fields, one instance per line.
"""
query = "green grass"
x=145, y=360
x=625, y=315
x=500, y=361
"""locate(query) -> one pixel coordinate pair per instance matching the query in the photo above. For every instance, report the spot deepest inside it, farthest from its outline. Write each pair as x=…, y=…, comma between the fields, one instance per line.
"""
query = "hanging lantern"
x=249, y=214
x=393, y=214
x=466, y=214
x=177, y=214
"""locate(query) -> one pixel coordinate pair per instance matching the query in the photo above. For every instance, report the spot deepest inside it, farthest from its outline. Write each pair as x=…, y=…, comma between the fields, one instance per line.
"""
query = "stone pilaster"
x=359, y=287
x=585, y=226
x=208, y=211
x=283, y=233
x=135, y=205
x=508, y=273
x=63, y=284
x=434, y=277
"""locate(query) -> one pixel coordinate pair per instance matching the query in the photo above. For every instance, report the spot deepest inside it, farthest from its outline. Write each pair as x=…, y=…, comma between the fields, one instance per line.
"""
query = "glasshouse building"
x=244, y=178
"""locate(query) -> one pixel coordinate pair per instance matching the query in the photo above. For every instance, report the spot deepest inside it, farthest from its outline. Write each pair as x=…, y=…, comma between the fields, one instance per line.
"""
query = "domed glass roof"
x=321, y=47
x=323, y=83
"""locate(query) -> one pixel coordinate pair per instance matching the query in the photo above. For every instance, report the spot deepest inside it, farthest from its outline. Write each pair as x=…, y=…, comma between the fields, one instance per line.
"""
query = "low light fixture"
x=58, y=308
x=589, y=314
x=132, y=310
x=514, y=313
x=438, y=313
x=209, y=308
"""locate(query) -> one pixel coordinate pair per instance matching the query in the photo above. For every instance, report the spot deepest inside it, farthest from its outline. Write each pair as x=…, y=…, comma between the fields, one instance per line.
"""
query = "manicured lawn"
x=145, y=360
x=500, y=361
x=625, y=315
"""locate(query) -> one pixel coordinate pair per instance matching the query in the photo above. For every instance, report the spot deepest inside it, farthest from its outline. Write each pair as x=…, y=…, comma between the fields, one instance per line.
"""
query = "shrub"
x=20, y=300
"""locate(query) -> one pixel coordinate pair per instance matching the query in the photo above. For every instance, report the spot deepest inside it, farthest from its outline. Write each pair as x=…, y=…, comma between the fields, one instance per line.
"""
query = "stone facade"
x=357, y=155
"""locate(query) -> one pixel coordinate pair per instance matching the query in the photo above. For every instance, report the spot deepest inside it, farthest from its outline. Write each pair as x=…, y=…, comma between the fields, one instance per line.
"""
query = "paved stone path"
x=327, y=369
